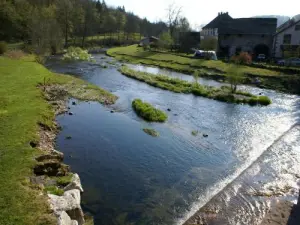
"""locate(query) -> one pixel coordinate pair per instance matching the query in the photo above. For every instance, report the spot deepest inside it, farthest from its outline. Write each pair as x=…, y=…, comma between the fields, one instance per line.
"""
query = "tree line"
x=52, y=24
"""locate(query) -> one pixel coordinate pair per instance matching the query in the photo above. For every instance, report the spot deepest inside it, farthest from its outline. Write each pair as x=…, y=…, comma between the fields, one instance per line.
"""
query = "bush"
x=243, y=58
x=77, y=54
x=151, y=132
x=3, y=47
x=40, y=59
x=148, y=112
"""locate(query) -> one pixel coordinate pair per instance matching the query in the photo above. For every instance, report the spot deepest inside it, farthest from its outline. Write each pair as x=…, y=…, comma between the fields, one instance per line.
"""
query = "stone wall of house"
x=245, y=42
x=278, y=39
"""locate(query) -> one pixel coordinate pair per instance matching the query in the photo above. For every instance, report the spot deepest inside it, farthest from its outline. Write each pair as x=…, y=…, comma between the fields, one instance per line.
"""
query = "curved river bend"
x=132, y=178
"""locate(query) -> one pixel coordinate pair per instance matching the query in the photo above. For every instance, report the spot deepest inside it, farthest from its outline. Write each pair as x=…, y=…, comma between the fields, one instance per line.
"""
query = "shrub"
x=148, y=112
x=3, y=47
x=77, y=54
x=243, y=58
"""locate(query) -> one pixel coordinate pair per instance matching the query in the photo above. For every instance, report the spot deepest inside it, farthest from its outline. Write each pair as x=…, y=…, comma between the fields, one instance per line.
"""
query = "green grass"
x=171, y=58
x=180, y=86
x=269, y=78
x=22, y=108
x=54, y=190
x=65, y=180
x=148, y=112
x=151, y=132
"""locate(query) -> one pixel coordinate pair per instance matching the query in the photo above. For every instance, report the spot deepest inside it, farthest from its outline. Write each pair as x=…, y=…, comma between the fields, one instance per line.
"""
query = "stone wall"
x=246, y=42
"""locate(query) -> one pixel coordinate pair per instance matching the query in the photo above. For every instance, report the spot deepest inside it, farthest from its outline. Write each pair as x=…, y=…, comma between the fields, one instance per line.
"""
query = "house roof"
x=249, y=26
x=295, y=20
x=215, y=23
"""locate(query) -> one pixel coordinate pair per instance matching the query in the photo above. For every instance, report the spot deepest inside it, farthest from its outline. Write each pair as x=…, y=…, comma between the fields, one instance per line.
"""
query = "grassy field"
x=268, y=78
x=135, y=51
x=180, y=86
x=22, y=108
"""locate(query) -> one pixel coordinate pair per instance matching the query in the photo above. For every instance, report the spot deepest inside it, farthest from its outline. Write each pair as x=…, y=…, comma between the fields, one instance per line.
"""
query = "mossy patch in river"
x=151, y=132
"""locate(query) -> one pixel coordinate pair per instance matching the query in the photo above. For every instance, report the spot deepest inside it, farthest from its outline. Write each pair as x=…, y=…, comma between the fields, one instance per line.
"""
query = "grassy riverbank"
x=268, y=78
x=148, y=112
x=22, y=109
x=181, y=86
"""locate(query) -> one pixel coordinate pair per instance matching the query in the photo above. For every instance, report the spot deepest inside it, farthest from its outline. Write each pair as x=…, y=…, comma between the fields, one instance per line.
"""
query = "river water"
x=130, y=177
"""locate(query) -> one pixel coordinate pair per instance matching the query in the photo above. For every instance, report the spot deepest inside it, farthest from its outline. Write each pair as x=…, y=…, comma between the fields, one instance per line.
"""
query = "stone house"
x=287, y=39
x=252, y=35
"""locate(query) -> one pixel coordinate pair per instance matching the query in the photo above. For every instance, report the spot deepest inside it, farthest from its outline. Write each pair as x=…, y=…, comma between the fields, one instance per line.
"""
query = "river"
x=130, y=177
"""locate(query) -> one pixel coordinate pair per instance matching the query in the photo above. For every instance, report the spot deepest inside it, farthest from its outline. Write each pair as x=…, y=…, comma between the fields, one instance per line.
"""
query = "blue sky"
x=202, y=11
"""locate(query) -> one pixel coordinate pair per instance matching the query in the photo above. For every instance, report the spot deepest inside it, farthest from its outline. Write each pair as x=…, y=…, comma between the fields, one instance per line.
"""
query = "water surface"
x=130, y=177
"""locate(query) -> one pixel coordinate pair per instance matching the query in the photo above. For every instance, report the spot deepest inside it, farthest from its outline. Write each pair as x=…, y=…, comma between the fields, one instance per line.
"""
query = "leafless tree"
x=173, y=16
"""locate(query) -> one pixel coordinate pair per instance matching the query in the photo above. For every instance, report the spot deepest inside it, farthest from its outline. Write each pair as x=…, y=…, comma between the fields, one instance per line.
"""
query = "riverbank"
x=28, y=131
x=180, y=86
x=216, y=70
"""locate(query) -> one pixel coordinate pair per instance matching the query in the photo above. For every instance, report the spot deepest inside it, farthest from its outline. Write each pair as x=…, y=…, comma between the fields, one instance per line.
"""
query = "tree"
x=166, y=40
x=120, y=21
x=234, y=76
x=209, y=44
x=64, y=11
x=173, y=16
x=183, y=25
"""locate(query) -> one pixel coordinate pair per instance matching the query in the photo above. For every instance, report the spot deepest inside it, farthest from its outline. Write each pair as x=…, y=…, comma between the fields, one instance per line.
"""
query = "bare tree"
x=173, y=16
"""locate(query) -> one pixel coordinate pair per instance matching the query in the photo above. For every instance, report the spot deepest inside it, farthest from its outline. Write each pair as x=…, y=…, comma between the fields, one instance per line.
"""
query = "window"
x=287, y=39
x=297, y=27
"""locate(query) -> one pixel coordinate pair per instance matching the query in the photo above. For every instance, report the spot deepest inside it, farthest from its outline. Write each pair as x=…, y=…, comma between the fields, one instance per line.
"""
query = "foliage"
x=54, y=190
x=180, y=86
x=40, y=59
x=165, y=40
x=209, y=44
x=148, y=112
x=151, y=132
x=77, y=54
x=243, y=58
x=3, y=47
x=234, y=77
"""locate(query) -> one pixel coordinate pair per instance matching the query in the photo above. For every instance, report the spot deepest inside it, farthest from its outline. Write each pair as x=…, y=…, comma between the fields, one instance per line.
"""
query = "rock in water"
x=73, y=103
x=169, y=110
x=70, y=113
x=205, y=135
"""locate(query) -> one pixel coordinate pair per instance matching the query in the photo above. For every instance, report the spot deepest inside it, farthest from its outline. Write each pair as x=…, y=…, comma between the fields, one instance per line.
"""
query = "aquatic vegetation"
x=151, y=132
x=148, y=112
x=195, y=132
x=77, y=54
x=223, y=94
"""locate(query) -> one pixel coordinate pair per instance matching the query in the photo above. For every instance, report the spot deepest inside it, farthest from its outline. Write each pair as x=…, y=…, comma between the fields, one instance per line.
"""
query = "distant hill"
x=280, y=19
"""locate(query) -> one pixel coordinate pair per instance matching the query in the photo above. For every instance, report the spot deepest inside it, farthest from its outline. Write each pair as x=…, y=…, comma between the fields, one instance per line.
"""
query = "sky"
x=200, y=12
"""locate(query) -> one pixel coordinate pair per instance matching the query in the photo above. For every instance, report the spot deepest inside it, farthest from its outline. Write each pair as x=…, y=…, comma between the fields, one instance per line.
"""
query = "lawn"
x=22, y=108
x=135, y=51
